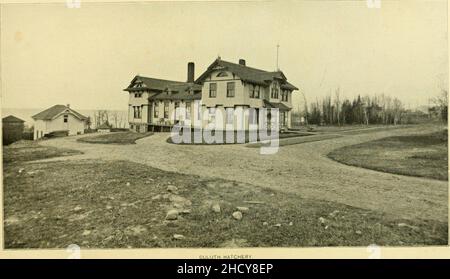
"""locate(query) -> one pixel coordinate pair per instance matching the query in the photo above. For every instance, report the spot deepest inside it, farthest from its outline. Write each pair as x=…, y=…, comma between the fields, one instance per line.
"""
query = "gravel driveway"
x=302, y=169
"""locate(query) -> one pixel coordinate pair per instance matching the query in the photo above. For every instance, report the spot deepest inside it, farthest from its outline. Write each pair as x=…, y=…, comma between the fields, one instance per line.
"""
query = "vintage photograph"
x=224, y=124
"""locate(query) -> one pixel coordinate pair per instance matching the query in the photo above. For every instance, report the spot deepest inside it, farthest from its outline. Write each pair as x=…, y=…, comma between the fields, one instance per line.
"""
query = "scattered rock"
x=108, y=207
x=172, y=188
x=157, y=197
x=358, y=232
x=77, y=208
x=186, y=211
x=86, y=232
x=237, y=215
x=277, y=225
x=326, y=227
x=290, y=223
x=177, y=205
x=265, y=224
x=172, y=214
x=322, y=220
x=180, y=200
x=242, y=208
x=128, y=183
x=178, y=236
x=21, y=170
x=334, y=213
x=216, y=207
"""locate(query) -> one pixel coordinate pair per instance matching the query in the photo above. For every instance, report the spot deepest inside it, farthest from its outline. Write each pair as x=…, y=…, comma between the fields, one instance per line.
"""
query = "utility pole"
x=278, y=46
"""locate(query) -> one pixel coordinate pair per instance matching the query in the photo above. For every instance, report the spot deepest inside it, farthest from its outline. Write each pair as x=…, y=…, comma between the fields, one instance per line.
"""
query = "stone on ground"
x=178, y=236
x=237, y=215
x=216, y=207
x=172, y=214
x=242, y=208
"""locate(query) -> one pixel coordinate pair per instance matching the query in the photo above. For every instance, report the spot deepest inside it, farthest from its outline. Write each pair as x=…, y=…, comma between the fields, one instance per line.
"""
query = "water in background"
x=25, y=114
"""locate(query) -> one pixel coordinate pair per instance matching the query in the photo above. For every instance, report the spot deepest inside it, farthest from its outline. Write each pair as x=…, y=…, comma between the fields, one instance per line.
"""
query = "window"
x=188, y=110
x=138, y=95
x=230, y=115
x=230, y=89
x=156, y=111
x=222, y=74
x=212, y=90
x=274, y=94
x=66, y=118
x=177, y=115
x=212, y=115
x=254, y=91
x=137, y=112
x=166, y=110
x=285, y=96
x=257, y=91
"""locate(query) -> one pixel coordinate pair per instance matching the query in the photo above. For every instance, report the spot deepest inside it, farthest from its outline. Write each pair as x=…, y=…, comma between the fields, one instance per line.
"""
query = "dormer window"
x=222, y=74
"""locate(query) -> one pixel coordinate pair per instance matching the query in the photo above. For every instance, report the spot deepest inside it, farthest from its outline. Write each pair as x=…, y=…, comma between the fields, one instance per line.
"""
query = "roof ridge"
x=245, y=66
x=160, y=79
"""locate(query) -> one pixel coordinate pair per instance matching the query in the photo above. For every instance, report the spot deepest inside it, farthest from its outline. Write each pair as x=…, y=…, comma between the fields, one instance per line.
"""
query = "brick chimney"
x=68, y=105
x=190, y=72
x=242, y=62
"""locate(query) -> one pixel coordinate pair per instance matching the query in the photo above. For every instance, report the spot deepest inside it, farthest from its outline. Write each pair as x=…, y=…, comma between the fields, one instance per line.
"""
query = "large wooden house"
x=157, y=104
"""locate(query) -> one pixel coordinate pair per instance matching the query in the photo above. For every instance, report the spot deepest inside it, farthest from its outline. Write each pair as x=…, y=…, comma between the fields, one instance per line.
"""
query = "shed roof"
x=280, y=106
x=12, y=119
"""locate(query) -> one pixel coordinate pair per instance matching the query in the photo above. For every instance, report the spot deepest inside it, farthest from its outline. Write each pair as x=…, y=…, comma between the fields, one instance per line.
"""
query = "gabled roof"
x=51, y=112
x=12, y=119
x=156, y=84
x=186, y=91
x=248, y=74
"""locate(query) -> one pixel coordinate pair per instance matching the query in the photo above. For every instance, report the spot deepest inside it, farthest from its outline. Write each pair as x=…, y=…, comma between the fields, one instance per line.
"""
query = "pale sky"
x=55, y=55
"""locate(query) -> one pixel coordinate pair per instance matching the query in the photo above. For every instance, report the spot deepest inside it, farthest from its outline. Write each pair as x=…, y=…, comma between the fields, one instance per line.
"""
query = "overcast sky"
x=52, y=54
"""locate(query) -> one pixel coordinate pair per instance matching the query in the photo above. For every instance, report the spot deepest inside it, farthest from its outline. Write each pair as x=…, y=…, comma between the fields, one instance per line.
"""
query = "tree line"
x=375, y=109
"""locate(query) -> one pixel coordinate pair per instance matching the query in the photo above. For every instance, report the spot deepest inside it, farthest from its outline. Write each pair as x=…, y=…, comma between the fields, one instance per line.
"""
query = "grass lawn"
x=414, y=155
x=115, y=138
x=27, y=150
x=112, y=204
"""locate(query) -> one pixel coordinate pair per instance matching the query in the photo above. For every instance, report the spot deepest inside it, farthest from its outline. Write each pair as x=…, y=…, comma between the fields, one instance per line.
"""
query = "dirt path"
x=302, y=169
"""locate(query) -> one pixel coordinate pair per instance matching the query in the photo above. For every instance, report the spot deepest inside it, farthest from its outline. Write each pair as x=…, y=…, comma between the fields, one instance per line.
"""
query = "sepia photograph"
x=224, y=124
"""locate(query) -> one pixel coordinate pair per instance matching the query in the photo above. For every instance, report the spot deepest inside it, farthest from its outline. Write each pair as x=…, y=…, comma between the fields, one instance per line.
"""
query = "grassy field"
x=414, y=155
x=22, y=151
x=112, y=204
x=115, y=138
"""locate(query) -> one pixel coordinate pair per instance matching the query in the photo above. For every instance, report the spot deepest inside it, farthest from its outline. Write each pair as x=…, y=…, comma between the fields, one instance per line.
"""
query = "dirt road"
x=302, y=169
